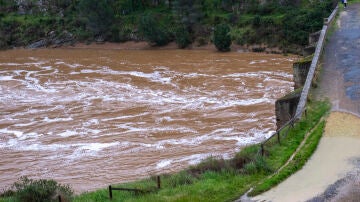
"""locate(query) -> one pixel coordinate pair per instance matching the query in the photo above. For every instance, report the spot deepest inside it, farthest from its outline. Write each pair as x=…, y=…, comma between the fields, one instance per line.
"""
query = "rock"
x=54, y=40
x=39, y=44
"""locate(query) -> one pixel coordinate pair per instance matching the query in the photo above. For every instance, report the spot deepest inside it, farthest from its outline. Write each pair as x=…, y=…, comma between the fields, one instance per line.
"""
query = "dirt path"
x=333, y=172
x=334, y=159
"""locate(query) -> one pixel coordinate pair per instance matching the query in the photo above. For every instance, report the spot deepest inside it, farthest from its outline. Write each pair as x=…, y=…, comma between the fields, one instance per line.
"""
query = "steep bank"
x=272, y=23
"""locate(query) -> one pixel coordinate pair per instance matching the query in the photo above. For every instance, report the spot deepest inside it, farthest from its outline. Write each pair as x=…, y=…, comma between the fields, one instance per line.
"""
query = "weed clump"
x=41, y=190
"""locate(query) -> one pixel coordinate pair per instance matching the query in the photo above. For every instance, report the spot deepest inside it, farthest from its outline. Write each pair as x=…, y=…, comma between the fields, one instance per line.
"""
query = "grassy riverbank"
x=225, y=180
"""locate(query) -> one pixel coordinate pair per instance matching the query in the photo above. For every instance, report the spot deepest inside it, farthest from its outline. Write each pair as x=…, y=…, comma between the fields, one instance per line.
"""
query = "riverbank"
x=143, y=45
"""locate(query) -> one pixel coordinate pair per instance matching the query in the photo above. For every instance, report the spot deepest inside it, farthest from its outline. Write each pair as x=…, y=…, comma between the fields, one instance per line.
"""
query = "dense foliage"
x=281, y=23
x=41, y=190
x=222, y=39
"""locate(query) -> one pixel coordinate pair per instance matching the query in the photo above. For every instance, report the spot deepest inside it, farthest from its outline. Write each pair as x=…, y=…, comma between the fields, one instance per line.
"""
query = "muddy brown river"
x=91, y=118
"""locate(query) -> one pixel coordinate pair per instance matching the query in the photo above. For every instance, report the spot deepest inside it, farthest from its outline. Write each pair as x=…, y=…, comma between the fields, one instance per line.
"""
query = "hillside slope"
x=281, y=23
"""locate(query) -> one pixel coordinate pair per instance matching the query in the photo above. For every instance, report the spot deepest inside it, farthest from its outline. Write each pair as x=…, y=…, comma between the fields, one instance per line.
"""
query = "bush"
x=99, y=15
x=222, y=39
x=42, y=190
x=182, y=37
x=209, y=164
x=245, y=156
x=258, y=165
x=153, y=31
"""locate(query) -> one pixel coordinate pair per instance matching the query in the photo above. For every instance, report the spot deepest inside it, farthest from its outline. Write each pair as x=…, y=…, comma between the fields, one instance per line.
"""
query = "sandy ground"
x=335, y=158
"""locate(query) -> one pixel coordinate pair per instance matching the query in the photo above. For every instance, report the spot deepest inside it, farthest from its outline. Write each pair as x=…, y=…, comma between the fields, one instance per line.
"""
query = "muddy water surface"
x=94, y=117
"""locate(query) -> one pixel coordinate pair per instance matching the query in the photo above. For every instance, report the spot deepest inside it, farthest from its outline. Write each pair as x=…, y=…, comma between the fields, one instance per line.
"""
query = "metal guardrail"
x=315, y=61
x=305, y=91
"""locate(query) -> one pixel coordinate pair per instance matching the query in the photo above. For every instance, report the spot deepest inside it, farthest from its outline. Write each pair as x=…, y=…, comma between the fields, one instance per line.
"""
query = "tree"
x=222, y=39
x=182, y=37
x=153, y=31
x=189, y=12
x=99, y=15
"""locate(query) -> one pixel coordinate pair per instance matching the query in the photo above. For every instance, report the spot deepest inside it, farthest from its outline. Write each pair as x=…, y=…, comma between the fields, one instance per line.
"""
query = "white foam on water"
x=194, y=159
x=18, y=134
x=6, y=78
x=25, y=124
x=94, y=131
x=46, y=67
x=164, y=119
x=163, y=163
x=91, y=122
x=126, y=117
x=55, y=120
x=89, y=71
x=257, y=62
x=68, y=133
x=10, y=64
x=33, y=83
x=249, y=102
x=95, y=146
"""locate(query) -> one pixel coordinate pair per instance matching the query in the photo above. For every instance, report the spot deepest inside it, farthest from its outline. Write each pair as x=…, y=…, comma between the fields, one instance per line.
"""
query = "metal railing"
x=301, y=107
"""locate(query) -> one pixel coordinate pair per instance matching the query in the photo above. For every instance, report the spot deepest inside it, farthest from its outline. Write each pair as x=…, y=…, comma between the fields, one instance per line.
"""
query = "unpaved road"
x=333, y=172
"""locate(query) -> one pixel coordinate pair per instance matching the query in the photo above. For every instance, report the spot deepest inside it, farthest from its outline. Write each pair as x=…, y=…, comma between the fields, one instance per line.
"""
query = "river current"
x=91, y=118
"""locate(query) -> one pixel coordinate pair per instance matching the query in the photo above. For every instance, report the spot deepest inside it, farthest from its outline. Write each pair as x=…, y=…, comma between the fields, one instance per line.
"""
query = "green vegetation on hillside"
x=277, y=23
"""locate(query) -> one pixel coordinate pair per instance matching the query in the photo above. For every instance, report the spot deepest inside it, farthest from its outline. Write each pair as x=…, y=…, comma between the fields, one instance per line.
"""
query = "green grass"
x=226, y=180
x=296, y=164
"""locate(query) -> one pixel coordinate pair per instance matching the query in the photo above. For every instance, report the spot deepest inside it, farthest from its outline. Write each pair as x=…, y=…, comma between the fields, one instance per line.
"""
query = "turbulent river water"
x=90, y=118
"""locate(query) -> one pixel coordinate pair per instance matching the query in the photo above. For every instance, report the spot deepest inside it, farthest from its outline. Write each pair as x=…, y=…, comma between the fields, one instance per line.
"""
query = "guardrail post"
x=110, y=192
x=158, y=182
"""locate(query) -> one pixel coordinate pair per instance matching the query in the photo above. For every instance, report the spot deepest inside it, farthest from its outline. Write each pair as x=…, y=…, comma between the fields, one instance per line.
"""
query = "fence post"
x=158, y=182
x=278, y=137
x=59, y=197
x=110, y=192
x=262, y=149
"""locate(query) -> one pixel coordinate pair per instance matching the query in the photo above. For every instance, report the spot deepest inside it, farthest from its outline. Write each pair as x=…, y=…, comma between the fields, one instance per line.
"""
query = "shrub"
x=42, y=190
x=258, y=165
x=99, y=15
x=222, y=39
x=210, y=164
x=153, y=31
x=245, y=156
x=182, y=37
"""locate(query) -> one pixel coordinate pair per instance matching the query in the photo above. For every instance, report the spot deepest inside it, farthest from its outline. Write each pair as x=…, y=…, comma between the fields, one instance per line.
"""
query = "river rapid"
x=91, y=118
